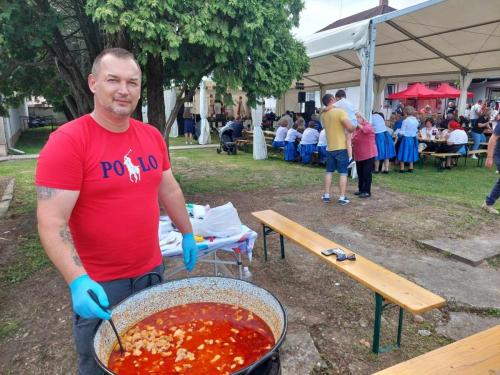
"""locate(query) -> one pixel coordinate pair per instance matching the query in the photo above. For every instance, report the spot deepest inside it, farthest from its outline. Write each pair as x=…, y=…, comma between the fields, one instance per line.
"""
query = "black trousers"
x=365, y=170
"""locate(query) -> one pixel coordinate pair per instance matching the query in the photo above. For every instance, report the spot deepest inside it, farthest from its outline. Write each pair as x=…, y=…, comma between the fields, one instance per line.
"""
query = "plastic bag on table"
x=222, y=221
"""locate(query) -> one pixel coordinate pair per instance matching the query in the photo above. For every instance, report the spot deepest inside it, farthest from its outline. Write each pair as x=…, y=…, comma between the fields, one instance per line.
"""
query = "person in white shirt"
x=308, y=143
x=290, y=147
x=343, y=103
x=288, y=117
x=476, y=111
x=467, y=111
x=383, y=140
x=322, y=147
x=428, y=132
x=456, y=141
x=310, y=135
x=428, y=135
x=408, y=150
x=279, y=138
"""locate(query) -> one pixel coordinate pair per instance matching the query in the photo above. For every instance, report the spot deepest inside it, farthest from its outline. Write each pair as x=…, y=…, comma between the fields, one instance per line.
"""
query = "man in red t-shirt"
x=99, y=180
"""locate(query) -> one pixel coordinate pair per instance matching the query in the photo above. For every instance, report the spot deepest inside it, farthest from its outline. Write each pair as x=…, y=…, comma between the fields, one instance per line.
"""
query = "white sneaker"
x=490, y=209
x=473, y=157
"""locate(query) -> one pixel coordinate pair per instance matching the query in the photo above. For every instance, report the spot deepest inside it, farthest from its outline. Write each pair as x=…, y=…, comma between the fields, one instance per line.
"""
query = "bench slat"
x=391, y=286
x=476, y=354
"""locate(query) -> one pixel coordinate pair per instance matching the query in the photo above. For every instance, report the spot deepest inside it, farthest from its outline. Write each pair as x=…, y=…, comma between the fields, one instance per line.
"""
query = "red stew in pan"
x=193, y=339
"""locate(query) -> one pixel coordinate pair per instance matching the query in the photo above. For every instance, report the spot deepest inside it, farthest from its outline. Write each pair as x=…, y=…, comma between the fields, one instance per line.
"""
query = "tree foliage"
x=242, y=44
x=46, y=47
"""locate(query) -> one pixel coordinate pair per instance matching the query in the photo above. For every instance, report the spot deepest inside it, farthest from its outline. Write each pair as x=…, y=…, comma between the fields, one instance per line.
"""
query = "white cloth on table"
x=242, y=242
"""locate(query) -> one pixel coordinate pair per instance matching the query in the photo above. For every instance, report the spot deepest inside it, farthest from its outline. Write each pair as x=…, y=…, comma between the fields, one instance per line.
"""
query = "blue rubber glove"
x=189, y=251
x=83, y=304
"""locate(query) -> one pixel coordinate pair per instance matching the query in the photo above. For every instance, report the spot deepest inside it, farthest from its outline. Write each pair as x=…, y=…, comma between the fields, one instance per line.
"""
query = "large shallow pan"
x=191, y=290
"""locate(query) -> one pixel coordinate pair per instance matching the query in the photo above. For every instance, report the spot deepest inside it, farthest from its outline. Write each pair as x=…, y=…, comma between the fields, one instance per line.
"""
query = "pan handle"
x=150, y=275
x=273, y=355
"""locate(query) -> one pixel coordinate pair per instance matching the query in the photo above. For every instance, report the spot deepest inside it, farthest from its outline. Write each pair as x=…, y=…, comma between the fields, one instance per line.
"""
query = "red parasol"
x=451, y=92
x=417, y=91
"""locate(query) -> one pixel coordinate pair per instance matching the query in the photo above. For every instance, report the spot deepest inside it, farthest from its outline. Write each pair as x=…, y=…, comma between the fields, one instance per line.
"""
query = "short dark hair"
x=116, y=52
x=327, y=98
x=340, y=94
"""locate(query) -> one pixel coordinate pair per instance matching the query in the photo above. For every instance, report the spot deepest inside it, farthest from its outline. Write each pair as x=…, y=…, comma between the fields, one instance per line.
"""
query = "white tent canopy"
x=434, y=40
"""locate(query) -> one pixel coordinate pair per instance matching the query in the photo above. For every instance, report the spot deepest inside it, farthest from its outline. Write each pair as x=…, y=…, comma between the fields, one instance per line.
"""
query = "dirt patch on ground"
x=35, y=315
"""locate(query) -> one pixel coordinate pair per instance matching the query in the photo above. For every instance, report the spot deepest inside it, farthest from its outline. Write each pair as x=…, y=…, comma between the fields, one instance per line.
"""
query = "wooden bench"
x=480, y=154
x=474, y=355
x=424, y=155
x=441, y=157
x=389, y=287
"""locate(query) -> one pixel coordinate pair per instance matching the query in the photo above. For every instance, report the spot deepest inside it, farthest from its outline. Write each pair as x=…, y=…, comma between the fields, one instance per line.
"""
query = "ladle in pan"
x=96, y=300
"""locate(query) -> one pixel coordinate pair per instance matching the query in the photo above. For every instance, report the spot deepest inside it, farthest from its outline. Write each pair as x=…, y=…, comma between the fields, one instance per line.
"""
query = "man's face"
x=116, y=85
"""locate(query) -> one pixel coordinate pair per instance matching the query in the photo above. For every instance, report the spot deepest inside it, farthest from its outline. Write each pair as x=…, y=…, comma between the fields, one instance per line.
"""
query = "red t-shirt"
x=114, y=223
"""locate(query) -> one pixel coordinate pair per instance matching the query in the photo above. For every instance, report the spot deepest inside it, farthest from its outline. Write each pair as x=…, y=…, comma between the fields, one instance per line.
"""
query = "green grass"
x=205, y=171
x=31, y=259
x=467, y=186
x=32, y=140
x=495, y=261
x=7, y=329
x=24, y=192
x=493, y=312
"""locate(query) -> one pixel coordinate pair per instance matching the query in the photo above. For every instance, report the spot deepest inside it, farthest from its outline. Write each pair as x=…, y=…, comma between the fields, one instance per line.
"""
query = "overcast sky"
x=320, y=13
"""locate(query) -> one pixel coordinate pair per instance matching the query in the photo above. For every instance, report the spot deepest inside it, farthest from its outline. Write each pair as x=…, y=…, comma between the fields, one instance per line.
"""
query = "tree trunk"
x=71, y=110
x=154, y=88
x=68, y=67
x=138, y=111
x=178, y=104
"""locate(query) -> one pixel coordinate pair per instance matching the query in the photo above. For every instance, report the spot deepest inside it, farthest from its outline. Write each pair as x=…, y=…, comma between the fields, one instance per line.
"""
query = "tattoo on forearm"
x=65, y=235
x=44, y=192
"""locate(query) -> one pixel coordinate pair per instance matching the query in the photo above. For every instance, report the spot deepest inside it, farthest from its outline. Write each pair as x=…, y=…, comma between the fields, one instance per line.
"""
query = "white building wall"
x=11, y=127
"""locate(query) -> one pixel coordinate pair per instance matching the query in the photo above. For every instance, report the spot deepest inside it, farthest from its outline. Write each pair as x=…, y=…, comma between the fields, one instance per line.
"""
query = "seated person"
x=300, y=124
x=322, y=147
x=279, y=138
x=444, y=123
x=237, y=126
x=290, y=147
x=308, y=143
x=456, y=141
x=428, y=134
x=316, y=119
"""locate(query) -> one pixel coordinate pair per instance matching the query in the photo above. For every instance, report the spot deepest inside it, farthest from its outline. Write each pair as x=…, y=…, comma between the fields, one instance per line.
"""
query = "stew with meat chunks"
x=193, y=339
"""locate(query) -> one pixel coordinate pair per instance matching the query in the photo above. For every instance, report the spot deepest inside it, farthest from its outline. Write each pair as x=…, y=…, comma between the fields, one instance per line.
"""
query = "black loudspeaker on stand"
x=310, y=107
x=301, y=97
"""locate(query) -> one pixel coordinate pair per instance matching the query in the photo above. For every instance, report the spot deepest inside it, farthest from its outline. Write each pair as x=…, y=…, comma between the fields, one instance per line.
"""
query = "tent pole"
x=465, y=81
x=368, y=79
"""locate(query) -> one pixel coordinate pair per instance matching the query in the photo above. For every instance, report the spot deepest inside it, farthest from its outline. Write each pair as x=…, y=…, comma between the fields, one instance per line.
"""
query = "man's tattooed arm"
x=44, y=192
x=65, y=235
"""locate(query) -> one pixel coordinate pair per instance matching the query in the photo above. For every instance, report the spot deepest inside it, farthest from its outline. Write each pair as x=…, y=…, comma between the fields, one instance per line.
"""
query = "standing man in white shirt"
x=348, y=107
x=476, y=112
